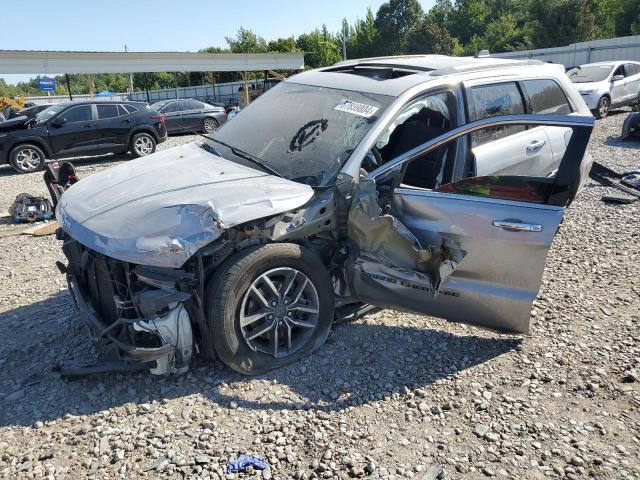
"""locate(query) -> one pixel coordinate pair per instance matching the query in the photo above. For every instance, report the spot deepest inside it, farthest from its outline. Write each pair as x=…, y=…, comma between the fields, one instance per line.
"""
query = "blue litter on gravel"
x=241, y=463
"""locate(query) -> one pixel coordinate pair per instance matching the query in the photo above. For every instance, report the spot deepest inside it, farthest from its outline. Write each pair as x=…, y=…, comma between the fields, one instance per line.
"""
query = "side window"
x=81, y=113
x=130, y=108
x=107, y=111
x=618, y=71
x=418, y=122
x=490, y=101
x=546, y=97
x=509, y=179
x=190, y=105
x=630, y=69
x=173, y=107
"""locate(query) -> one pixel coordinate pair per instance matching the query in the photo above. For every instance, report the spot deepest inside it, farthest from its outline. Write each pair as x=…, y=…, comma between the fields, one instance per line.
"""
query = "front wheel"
x=27, y=158
x=268, y=306
x=602, y=109
x=143, y=144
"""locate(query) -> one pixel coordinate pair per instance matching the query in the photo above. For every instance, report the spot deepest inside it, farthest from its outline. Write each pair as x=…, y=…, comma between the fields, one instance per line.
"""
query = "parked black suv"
x=78, y=129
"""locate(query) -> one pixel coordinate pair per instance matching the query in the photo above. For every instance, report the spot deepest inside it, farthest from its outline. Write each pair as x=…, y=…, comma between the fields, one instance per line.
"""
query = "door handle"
x=517, y=226
x=89, y=125
x=536, y=145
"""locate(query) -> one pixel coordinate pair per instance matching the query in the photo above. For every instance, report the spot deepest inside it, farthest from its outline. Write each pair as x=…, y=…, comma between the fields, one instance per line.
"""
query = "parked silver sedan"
x=190, y=115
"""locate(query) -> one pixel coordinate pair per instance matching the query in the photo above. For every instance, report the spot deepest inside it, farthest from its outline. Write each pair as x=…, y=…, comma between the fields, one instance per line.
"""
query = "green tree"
x=561, y=22
x=363, y=39
x=283, y=45
x=429, y=37
x=246, y=41
x=394, y=20
x=322, y=49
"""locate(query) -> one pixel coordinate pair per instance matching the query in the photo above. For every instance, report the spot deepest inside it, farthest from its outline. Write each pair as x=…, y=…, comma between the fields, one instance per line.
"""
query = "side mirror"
x=58, y=121
x=617, y=78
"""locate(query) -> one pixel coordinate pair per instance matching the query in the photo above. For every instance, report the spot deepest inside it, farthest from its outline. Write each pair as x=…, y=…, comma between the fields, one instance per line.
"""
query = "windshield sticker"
x=355, y=108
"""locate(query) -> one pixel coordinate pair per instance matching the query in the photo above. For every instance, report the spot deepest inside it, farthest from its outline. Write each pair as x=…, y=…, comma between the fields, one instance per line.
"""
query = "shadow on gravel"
x=626, y=143
x=7, y=170
x=361, y=362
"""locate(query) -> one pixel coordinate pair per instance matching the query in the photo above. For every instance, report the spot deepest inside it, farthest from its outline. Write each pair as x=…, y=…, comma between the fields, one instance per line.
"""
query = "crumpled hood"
x=161, y=209
x=12, y=123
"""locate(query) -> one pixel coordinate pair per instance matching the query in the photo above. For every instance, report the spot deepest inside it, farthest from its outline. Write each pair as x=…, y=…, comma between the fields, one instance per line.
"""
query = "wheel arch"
x=38, y=142
x=143, y=129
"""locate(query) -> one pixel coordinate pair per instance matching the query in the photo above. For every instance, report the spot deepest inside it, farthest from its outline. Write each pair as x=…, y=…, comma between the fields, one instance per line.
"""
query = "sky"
x=162, y=25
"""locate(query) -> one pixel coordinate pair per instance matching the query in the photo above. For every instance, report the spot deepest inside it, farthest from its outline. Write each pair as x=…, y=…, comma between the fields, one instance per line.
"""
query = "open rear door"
x=471, y=251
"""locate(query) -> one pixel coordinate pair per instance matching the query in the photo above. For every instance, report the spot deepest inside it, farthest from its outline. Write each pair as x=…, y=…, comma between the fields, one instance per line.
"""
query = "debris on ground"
x=241, y=463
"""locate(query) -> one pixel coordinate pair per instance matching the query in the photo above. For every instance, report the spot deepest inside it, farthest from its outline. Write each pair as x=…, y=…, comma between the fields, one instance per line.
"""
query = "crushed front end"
x=144, y=312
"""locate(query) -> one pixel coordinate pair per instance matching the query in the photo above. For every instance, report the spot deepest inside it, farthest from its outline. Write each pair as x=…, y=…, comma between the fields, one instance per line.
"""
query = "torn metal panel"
x=383, y=235
x=316, y=216
x=374, y=281
x=160, y=210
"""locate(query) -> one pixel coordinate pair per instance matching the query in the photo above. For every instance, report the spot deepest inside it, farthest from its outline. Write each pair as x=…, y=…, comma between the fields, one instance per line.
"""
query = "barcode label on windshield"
x=355, y=108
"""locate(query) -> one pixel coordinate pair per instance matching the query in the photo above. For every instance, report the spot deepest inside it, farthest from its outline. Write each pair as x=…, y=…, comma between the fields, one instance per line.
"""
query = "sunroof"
x=379, y=73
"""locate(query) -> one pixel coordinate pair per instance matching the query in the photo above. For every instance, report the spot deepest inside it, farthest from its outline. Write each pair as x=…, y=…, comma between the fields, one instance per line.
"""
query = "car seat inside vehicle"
x=418, y=123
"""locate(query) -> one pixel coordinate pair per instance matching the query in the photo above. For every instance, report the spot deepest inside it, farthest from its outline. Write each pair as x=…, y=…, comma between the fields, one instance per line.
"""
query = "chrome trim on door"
x=517, y=226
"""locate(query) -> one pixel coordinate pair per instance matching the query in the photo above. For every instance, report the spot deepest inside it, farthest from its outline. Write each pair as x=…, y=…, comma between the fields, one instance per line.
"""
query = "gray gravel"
x=393, y=395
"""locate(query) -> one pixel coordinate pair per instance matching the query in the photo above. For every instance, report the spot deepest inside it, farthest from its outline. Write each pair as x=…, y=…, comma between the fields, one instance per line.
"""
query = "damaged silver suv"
x=428, y=183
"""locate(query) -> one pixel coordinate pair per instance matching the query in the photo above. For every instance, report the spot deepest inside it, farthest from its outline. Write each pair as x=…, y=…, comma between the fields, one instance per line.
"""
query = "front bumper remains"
x=147, y=325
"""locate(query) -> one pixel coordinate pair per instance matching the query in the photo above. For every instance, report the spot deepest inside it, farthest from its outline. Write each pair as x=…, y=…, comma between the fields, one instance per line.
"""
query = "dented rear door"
x=476, y=248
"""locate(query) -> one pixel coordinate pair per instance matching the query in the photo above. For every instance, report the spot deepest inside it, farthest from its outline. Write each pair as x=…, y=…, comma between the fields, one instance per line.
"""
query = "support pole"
x=246, y=89
x=146, y=86
x=66, y=76
x=213, y=85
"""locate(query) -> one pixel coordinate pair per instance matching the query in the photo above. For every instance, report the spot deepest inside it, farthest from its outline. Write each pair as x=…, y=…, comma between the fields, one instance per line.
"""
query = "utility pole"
x=130, y=75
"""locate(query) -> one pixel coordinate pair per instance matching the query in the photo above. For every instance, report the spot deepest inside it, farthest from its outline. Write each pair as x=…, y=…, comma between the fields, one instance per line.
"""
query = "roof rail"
x=480, y=67
x=407, y=68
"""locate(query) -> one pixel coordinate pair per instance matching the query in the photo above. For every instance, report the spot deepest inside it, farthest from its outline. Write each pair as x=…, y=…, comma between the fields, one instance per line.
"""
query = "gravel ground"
x=393, y=395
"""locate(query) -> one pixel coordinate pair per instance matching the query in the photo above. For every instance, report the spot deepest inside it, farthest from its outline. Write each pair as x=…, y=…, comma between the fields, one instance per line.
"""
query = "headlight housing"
x=587, y=92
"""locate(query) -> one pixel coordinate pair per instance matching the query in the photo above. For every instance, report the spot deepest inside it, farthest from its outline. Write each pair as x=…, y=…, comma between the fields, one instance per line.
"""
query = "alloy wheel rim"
x=143, y=145
x=209, y=125
x=604, y=107
x=279, y=312
x=28, y=159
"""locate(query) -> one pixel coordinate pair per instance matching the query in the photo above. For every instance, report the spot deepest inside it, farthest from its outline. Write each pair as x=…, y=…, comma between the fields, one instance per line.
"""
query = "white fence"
x=620, y=48
x=226, y=93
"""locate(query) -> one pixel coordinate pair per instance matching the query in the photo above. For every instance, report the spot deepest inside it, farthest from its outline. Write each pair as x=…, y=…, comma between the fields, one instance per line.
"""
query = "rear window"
x=130, y=108
x=546, y=97
x=494, y=100
x=107, y=111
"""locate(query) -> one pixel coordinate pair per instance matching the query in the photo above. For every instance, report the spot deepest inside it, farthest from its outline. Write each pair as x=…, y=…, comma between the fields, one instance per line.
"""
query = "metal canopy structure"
x=55, y=62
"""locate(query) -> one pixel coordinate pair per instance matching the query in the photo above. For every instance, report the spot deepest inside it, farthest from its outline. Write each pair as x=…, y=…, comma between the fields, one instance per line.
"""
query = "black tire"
x=225, y=298
x=142, y=144
x=209, y=125
x=603, y=107
x=27, y=158
x=635, y=107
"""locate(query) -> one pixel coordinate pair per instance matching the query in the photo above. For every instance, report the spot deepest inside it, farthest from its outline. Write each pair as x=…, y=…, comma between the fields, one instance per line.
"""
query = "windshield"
x=52, y=111
x=589, y=73
x=304, y=133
